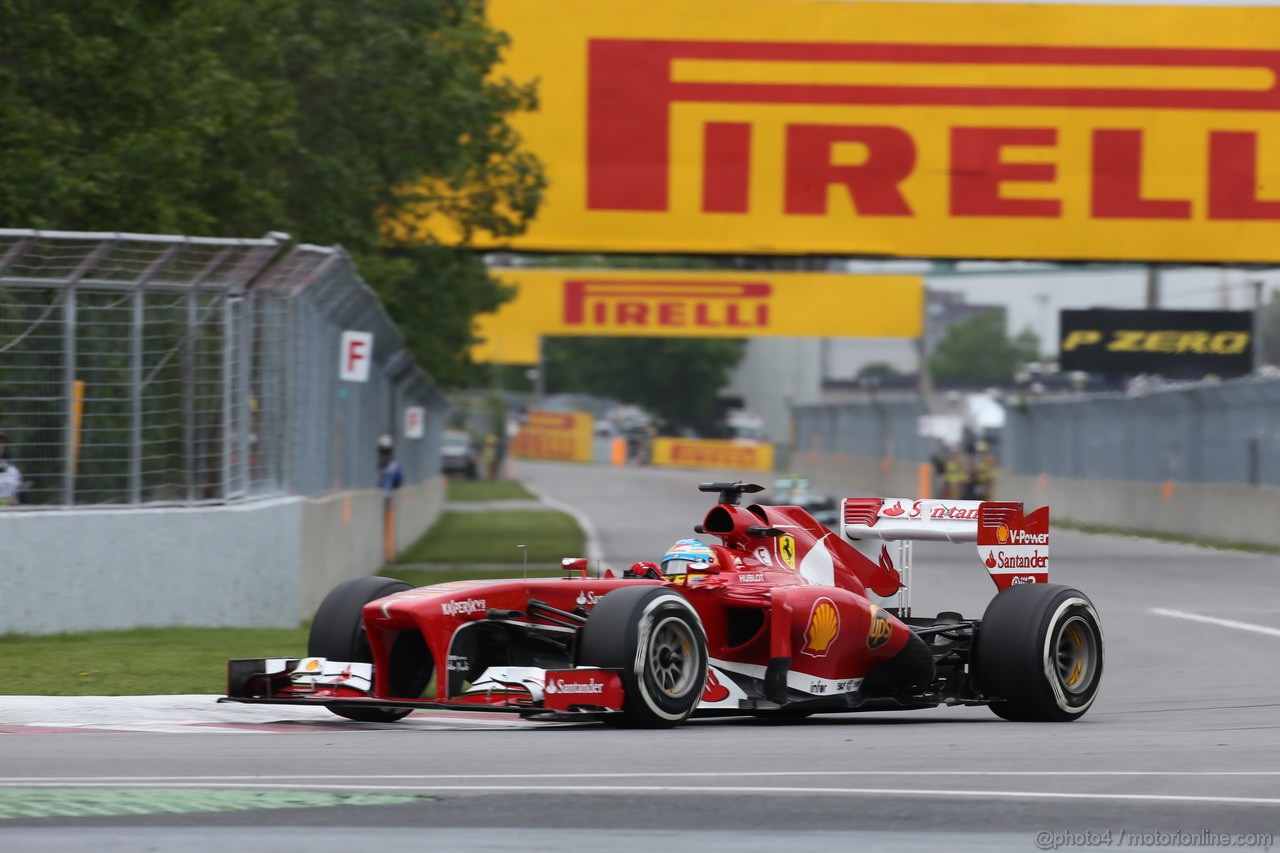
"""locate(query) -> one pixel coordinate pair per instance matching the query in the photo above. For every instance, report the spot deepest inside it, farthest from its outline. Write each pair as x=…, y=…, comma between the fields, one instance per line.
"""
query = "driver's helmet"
x=686, y=554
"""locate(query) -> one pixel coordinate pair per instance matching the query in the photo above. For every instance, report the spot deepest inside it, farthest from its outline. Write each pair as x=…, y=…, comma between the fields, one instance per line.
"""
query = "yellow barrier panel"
x=967, y=130
x=712, y=453
x=77, y=422
x=561, y=436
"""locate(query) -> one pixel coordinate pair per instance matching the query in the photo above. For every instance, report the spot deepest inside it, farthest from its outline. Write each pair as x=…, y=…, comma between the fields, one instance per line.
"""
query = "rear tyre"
x=337, y=633
x=1039, y=649
x=654, y=636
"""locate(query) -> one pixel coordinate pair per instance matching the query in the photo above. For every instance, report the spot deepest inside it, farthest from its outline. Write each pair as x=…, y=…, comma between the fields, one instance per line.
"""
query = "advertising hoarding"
x=1036, y=131
x=662, y=303
x=1171, y=343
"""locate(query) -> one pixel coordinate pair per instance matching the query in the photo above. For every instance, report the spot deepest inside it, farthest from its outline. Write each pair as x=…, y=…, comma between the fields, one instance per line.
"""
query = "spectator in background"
x=489, y=454
x=390, y=477
x=939, y=461
x=956, y=474
x=10, y=476
x=984, y=473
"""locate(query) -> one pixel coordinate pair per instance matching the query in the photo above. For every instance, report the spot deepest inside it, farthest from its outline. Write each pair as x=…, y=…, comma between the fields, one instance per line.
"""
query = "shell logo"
x=312, y=665
x=1002, y=534
x=823, y=628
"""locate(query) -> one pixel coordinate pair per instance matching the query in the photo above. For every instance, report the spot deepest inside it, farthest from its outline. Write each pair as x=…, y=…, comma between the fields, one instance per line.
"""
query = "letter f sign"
x=357, y=351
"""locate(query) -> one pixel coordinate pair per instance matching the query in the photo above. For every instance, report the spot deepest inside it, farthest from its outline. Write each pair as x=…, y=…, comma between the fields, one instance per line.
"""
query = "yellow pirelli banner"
x=712, y=453
x=992, y=130
x=663, y=303
x=561, y=436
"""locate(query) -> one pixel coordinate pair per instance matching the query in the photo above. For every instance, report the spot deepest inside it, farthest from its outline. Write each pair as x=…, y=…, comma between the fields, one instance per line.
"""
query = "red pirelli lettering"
x=872, y=184
x=979, y=168
x=632, y=87
x=1233, y=178
x=1117, y=180
x=675, y=304
x=726, y=167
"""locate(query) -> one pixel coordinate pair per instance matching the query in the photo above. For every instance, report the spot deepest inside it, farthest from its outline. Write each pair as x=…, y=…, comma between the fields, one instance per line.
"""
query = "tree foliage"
x=977, y=349
x=318, y=117
x=876, y=370
x=676, y=378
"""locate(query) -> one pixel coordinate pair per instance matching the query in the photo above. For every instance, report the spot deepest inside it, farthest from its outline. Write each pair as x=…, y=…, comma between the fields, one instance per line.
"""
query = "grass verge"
x=1173, y=538
x=493, y=537
x=485, y=490
x=137, y=662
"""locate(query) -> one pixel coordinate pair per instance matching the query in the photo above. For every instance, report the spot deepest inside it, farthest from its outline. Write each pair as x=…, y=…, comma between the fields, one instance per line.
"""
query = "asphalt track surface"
x=1181, y=749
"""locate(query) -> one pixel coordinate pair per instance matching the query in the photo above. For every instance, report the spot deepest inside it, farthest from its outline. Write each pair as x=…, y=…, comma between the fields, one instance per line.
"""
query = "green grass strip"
x=493, y=537
x=28, y=803
x=138, y=662
x=1174, y=538
x=485, y=490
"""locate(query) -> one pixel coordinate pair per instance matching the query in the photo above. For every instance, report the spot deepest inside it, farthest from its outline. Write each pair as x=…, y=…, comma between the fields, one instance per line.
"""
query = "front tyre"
x=1039, y=649
x=654, y=636
x=337, y=633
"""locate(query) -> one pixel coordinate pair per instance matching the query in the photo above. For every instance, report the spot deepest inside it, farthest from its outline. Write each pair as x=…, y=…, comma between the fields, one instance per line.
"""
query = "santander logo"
x=559, y=685
x=897, y=510
x=714, y=691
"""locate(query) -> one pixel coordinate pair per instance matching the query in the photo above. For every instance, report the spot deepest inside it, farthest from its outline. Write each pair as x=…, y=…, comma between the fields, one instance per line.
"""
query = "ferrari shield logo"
x=787, y=550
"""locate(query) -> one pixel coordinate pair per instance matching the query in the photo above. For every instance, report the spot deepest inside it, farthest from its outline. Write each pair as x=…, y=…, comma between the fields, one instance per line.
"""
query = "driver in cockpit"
x=684, y=556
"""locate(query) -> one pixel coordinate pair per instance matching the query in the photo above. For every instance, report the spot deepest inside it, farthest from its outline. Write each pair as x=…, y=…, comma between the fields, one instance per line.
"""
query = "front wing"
x=547, y=694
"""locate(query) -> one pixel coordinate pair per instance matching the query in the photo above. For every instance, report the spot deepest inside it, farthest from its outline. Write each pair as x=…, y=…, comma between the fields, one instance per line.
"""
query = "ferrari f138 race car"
x=784, y=618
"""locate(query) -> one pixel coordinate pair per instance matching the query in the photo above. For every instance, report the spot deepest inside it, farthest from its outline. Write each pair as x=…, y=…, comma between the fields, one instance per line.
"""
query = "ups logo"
x=880, y=630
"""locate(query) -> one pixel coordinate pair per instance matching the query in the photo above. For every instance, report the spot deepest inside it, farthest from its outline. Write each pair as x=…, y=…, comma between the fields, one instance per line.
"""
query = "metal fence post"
x=135, y=402
x=69, y=396
x=189, y=397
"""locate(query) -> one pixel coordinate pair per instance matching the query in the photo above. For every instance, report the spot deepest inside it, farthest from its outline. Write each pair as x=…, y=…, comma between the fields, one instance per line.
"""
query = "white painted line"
x=19, y=780
x=692, y=789
x=1213, y=620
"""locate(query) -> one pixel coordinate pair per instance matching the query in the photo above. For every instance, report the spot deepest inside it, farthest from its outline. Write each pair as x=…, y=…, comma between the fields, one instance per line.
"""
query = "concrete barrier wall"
x=343, y=535
x=88, y=570
x=1226, y=512
x=258, y=564
x=417, y=508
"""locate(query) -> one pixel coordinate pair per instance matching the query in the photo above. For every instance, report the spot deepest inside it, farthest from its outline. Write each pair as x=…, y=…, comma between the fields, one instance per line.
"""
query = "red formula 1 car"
x=780, y=620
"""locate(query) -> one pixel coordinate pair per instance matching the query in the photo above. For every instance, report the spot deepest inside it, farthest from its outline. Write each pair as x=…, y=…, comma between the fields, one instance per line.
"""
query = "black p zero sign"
x=1172, y=343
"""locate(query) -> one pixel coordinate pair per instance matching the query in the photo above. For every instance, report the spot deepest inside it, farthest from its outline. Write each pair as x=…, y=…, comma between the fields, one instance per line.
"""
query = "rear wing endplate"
x=1013, y=546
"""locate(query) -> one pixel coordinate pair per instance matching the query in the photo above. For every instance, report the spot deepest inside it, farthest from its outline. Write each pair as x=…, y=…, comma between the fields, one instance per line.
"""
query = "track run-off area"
x=1181, y=747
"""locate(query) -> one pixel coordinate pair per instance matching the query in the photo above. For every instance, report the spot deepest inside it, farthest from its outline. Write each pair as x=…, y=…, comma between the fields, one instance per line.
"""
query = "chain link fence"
x=147, y=369
x=1224, y=432
x=880, y=428
x=1220, y=432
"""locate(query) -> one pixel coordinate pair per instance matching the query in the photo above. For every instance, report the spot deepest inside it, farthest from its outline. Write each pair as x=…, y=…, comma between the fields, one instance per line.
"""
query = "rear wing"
x=1012, y=545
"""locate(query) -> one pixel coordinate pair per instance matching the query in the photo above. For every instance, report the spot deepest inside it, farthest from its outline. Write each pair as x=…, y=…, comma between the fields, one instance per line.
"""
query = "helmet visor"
x=684, y=565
